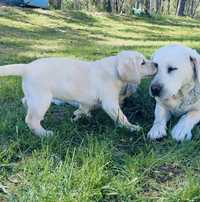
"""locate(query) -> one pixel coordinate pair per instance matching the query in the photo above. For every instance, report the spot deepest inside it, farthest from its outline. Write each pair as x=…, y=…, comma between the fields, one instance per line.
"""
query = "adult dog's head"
x=178, y=69
x=132, y=66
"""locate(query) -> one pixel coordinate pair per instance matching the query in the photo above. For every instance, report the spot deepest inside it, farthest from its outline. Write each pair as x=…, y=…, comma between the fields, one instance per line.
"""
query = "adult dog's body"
x=88, y=83
x=176, y=88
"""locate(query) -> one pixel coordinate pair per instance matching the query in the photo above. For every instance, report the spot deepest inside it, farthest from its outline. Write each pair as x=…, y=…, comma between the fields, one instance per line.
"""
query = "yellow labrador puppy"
x=87, y=83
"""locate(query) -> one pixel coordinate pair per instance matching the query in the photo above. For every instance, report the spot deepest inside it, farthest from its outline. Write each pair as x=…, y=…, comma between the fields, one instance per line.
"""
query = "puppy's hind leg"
x=37, y=107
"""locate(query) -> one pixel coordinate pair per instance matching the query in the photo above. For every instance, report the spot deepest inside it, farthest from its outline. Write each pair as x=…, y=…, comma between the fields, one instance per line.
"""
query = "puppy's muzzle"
x=156, y=90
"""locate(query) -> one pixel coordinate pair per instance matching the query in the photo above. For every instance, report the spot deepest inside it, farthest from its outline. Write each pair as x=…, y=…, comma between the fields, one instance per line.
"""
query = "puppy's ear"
x=195, y=60
x=126, y=68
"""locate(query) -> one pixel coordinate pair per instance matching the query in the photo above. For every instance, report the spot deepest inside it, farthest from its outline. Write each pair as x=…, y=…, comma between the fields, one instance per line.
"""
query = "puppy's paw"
x=88, y=115
x=181, y=132
x=48, y=133
x=75, y=118
x=43, y=133
x=189, y=136
x=78, y=114
x=157, y=132
x=135, y=128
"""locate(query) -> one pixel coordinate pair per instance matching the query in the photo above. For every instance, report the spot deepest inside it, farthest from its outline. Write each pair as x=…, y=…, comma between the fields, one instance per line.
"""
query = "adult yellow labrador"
x=88, y=83
x=176, y=88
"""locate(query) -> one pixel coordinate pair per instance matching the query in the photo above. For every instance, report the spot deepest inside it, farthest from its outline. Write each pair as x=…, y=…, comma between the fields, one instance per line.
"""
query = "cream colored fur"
x=176, y=86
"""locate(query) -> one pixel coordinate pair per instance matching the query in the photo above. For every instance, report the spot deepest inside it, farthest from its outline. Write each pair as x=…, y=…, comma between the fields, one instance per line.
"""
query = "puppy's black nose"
x=156, y=89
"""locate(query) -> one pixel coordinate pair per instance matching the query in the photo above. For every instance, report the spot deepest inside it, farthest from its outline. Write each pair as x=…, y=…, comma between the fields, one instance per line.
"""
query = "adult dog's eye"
x=155, y=65
x=171, y=69
x=143, y=62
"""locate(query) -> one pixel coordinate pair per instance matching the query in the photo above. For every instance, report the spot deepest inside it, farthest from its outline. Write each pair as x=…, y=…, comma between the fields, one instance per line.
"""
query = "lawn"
x=91, y=160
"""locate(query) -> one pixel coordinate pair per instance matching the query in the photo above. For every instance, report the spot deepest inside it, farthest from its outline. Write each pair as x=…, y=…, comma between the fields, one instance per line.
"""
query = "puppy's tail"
x=12, y=70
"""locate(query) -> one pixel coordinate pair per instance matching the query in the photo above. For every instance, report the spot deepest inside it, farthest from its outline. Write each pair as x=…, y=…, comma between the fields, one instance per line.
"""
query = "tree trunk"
x=151, y=6
x=162, y=6
x=109, y=6
x=76, y=4
x=168, y=7
x=137, y=4
x=146, y=6
x=120, y=8
x=195, y=8
x=181, y=8
x=192, y=8
x=56, y=4
x=116, y=6
x=158, y=5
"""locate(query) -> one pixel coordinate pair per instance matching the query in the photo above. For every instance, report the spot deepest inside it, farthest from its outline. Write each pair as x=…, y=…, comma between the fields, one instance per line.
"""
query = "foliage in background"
x=162, y=7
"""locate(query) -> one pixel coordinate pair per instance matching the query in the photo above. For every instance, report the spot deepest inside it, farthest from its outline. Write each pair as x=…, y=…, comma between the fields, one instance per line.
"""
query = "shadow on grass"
x=160, y=20
x=24, y=15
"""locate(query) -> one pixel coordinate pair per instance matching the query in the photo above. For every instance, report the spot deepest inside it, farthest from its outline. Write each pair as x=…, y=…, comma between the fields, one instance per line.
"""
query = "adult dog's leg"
x=112, y=108
x=24, y=102
x=83, y=110
x=158, y=129
x=37, y=107
x=182, y=130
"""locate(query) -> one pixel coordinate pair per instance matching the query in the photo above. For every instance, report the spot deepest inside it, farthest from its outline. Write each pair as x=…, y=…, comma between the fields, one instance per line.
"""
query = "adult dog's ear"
x=195, y=60
x=126, y=68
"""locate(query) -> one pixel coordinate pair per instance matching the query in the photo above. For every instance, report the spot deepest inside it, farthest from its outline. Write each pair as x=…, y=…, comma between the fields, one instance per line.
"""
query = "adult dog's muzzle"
x=156, y=90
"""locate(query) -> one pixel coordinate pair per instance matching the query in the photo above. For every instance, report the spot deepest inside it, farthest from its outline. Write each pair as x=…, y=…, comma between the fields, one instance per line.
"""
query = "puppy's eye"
x=143, y=62
x=171, y=69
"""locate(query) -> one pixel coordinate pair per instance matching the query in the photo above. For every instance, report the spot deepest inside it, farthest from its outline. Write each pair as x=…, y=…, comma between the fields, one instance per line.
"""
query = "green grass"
x=91, y=160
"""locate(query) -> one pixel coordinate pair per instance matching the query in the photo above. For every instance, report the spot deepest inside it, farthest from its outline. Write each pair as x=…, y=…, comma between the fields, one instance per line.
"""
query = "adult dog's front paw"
x=158, y=131
x=181, y=132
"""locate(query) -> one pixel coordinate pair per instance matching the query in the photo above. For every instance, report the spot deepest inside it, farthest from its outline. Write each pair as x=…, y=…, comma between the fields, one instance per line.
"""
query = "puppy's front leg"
x=82, y=110
x=113, y=109
x=158, y=130
x=182, y=130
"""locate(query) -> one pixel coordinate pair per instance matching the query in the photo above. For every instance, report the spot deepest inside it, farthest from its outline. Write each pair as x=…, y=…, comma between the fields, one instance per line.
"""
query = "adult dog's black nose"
x=156, y=89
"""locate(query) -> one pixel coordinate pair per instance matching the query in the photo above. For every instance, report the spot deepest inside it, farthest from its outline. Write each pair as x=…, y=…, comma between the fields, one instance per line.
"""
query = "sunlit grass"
x=91, y=160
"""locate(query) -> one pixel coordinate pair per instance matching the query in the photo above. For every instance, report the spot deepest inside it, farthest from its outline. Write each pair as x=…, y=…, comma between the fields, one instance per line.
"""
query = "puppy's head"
x=178, y=68
x=132, y=66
